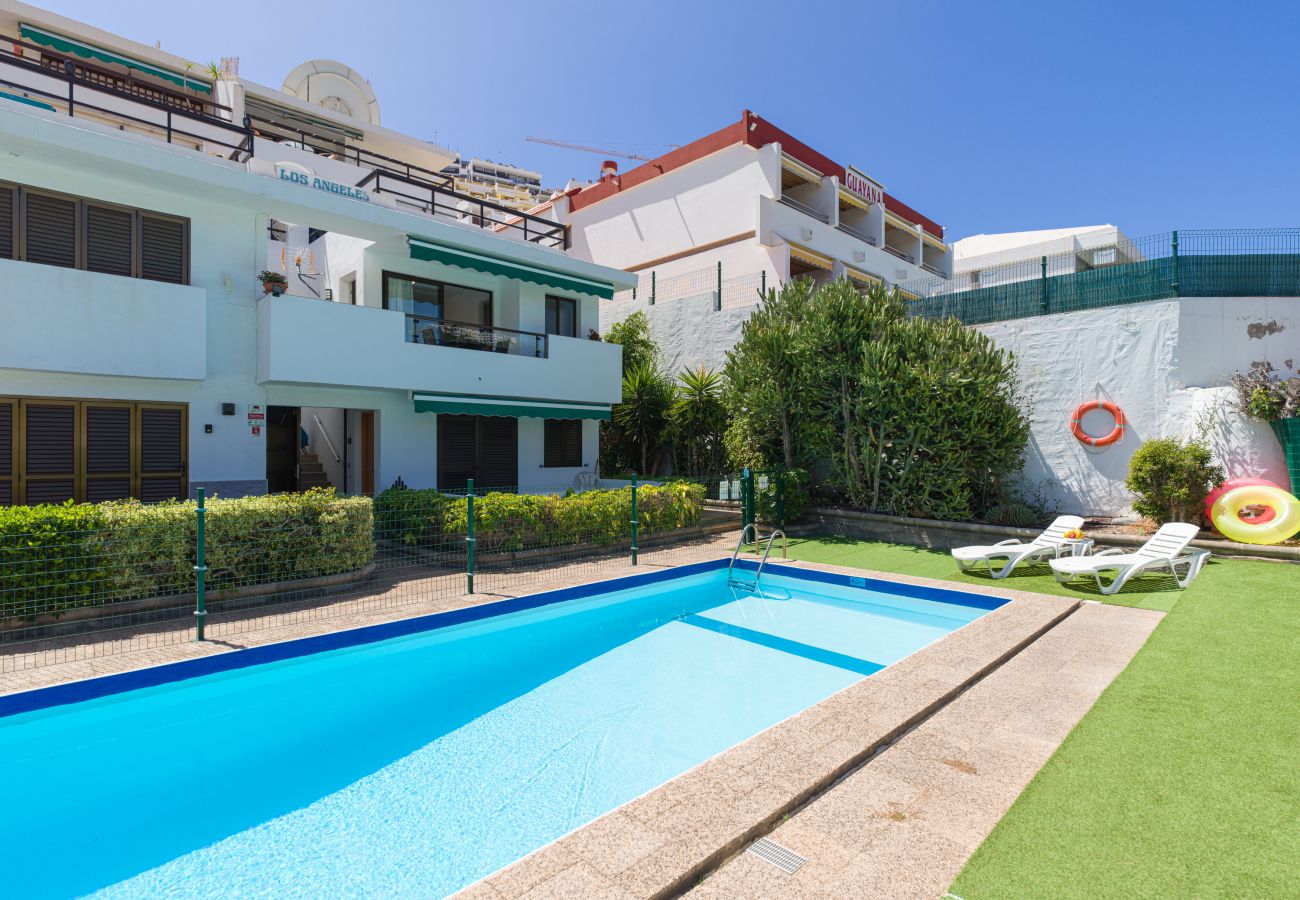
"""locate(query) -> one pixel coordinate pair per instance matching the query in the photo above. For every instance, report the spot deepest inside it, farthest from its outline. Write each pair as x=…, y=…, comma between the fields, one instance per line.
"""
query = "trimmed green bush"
x=1172, y=479
x=55, y=558
x=507, y=522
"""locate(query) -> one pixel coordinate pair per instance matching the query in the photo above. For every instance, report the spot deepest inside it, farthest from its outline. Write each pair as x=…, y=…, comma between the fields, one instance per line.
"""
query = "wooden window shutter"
x=163, y=250
x=563, y=443
x=7, y=452
x=498, y=452
x=457, y=451
x=51, y=230
x=6, y=222
x=49, y=451
x=108, y=240
x=162, y=453
x=108, y=452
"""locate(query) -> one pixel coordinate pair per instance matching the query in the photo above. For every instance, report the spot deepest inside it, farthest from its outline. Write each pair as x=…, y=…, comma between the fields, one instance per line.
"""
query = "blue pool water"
x=416, y=765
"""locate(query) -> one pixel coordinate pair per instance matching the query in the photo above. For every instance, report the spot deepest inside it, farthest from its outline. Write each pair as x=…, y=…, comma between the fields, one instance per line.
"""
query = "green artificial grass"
x=1184, y=779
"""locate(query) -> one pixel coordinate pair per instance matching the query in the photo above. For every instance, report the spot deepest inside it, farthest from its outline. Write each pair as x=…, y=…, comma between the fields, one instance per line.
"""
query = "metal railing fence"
x=1201, y=263
x=98, y=581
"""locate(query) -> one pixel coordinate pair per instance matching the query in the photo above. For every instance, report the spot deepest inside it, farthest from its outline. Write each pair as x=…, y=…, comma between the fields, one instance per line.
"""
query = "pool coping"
x=661, y=843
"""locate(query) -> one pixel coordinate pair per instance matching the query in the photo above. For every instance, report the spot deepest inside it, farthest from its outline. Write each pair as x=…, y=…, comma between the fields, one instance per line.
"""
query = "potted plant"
x=1265, y=395
x=273, y=283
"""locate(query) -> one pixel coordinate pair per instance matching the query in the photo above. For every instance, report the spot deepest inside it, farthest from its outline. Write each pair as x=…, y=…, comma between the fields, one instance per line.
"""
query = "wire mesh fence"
x=726, y=290
x=1217, y=263
x=82, y=582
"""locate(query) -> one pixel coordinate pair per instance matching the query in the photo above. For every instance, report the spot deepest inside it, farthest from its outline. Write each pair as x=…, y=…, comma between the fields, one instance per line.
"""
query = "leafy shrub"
x=54, y=558
x=797, y=487
x=1015, y=514
x=1171, y=479
x=1265, y=395
x=507, y=522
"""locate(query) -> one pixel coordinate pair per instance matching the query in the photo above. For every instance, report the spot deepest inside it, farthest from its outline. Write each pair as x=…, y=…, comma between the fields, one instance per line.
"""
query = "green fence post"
x=762, y=275
x=747, y=500
x=717, y=304
x=1175, y=246
x=652, y=287
x=780, y=506
x=634, y=522
x=1044, y=283
x=200, y=568
x=469, y=534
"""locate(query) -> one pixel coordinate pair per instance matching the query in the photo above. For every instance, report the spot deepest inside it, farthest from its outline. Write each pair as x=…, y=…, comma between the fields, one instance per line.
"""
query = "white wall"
x=1167, y=364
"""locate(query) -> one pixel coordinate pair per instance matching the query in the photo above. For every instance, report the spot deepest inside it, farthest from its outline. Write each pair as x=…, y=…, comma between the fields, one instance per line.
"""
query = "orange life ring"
x=1076, y=427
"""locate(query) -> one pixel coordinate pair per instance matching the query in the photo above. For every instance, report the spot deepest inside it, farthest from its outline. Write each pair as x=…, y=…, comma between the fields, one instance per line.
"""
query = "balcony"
x=468, y=336
x=54, y=319
x=316, y=342
x=903, y=255
x=805, y=209
x=860, y=235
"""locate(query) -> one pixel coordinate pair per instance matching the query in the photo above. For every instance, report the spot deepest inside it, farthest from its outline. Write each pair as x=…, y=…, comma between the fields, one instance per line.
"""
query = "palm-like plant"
x=699, y=420
x=643, y=414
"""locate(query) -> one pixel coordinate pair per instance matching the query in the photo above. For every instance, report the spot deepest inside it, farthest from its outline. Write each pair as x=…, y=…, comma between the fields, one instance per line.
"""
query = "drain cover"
x=783, y=858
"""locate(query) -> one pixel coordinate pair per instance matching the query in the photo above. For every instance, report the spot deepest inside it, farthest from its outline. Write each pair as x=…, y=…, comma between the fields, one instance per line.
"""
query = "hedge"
x=55, y=558
x=506, y=522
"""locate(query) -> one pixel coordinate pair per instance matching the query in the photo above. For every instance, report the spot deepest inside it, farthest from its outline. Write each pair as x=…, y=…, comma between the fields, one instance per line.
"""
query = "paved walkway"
x=904, y=824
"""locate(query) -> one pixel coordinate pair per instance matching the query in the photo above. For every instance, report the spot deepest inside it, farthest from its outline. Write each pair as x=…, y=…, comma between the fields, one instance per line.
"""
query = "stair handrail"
x=740, y=542
x=325, y=434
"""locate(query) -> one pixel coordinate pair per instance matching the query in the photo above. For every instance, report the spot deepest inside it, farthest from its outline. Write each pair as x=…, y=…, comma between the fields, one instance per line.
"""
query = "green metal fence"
x=1219, y=263
x=140, y=577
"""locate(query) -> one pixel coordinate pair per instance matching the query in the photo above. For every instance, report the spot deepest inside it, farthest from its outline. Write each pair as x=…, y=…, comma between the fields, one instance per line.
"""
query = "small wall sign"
x=866, y=188
x=321, y=184
x=256, y=416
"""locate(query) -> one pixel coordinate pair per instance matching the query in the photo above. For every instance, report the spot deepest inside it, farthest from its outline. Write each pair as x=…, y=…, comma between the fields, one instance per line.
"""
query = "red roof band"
x=754, y=132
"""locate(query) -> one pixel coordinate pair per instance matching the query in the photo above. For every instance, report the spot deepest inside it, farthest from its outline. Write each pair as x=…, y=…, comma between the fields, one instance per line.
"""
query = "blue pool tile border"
x=167, y=673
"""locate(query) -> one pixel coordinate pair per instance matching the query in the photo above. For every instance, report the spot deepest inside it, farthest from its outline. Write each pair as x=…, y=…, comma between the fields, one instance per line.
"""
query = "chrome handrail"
x=325, y=434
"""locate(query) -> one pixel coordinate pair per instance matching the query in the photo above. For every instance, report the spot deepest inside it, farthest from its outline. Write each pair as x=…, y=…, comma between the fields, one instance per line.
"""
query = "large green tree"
x=908, y=416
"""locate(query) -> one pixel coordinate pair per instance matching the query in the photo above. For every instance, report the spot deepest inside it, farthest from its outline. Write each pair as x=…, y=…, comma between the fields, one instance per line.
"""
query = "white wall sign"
x=321, y=184
x=863, y=186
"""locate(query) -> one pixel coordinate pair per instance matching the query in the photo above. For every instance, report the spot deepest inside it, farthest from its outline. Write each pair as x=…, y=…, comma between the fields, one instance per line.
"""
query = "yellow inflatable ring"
x=1284, y=523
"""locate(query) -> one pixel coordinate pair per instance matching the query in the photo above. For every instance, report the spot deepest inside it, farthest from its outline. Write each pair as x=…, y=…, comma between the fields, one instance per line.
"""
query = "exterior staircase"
x=311, y=474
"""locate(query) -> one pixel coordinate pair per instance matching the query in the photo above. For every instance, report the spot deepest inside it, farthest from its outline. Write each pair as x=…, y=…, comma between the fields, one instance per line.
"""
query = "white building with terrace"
x=710, y=224
x=403, y=331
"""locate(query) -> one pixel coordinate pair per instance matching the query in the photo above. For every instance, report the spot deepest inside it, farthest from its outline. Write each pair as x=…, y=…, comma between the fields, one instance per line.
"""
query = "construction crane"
x=571, y=146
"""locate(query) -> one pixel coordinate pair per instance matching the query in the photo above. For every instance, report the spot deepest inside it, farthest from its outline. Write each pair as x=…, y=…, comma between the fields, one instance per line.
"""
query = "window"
x=484, y=448
x=562, y=316
x=52, y=450
x=59, y=230
x=428, y=304
x=563, y=444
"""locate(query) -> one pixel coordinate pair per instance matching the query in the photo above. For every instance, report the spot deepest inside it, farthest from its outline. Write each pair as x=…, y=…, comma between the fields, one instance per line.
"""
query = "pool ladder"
x=732, y=579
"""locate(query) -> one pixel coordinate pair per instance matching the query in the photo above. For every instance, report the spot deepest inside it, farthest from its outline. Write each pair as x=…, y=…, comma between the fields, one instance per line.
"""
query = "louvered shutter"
x=6, y=452
x=498, y=445
x=50, y=451
x=162, y=250
x=563, y=443
x=108, y=453
x=6, y=222
x=457, y=451
x=162, y=453
x=108, y=240
x=51, y=230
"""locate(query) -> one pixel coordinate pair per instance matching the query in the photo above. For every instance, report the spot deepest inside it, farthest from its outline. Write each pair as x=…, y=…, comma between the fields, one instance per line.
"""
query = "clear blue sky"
x=985, y=116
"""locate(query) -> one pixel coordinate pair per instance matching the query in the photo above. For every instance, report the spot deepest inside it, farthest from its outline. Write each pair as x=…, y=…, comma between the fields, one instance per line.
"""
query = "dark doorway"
x=484, y=448
x=368, y=453
x=281, y=449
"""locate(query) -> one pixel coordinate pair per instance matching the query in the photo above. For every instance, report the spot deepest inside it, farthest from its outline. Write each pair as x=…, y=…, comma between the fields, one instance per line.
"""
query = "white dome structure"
x=336, y=87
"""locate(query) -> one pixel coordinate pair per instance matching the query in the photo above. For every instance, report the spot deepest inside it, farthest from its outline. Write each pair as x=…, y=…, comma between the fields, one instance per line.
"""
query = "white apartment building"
x=709, y=224
x=507, y=185
x=423, y=335
x=985, y=260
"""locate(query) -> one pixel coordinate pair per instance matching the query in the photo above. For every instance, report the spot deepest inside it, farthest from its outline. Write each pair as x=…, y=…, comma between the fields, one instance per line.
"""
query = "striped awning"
x=87, y=51
x=810, y=257
x=422, y=248
x=853, y=199
x=794, y=167
x=863, y=277
x=512, y=407
x=932, y=240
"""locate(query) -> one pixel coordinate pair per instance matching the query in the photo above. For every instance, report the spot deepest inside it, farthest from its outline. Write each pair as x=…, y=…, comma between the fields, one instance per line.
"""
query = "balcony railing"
x=805, y=209
x=468, y=336
x=860, y=235
x=77, y=89
x=907, y=257
x=934, y=269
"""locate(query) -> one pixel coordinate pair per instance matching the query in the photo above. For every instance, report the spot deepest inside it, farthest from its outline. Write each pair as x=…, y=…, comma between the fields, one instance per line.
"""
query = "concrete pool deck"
x=885, y=788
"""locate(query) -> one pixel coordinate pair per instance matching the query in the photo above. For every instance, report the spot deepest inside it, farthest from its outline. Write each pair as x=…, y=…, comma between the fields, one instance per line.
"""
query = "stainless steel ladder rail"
x=731, y=578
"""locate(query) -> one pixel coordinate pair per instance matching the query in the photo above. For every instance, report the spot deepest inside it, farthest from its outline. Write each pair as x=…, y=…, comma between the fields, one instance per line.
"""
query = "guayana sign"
x=863, y=186
x=322, y=184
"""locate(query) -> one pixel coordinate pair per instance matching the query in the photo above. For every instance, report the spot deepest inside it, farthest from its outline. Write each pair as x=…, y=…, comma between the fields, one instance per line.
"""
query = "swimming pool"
x=413, y=758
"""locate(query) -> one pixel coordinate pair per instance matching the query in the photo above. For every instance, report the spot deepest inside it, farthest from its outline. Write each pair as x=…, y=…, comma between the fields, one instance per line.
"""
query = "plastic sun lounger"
x=1165, y=552
x=1048, y=544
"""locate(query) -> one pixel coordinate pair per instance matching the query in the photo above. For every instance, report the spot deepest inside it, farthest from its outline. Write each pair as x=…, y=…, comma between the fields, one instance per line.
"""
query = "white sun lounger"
x=1048, y=544
x=1165, y=552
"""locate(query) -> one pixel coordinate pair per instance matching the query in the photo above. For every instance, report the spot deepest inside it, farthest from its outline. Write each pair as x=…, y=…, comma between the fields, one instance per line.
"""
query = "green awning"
x=422, y=248
x=513, y=407
x=86, y=51
x=28, y=100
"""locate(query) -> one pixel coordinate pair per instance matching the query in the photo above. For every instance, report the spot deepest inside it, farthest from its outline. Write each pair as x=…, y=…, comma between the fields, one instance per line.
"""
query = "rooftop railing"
x=1203, y=263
